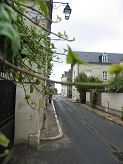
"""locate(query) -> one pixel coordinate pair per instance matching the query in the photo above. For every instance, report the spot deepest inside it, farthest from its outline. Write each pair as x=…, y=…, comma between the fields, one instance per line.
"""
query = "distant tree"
x=82, y=77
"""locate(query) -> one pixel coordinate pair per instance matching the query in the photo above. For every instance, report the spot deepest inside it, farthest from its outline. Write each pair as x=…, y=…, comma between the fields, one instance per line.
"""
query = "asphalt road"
x=88, y=138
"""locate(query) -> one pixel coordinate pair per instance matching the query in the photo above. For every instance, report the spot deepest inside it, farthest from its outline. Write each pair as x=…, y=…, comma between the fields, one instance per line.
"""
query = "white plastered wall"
x=112, y=101
x=28, y=122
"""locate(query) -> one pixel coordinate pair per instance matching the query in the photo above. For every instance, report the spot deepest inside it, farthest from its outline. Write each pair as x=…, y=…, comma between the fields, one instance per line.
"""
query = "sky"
x=97, y=26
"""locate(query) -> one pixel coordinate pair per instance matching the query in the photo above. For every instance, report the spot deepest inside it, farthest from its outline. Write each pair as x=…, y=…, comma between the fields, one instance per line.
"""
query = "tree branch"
x=17, y=69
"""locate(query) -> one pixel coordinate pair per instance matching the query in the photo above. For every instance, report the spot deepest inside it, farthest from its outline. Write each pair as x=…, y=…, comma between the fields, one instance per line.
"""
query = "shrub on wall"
x=94, y=97
x=122, y=113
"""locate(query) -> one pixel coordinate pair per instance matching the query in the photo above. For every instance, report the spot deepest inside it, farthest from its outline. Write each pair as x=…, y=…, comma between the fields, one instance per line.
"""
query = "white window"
x=105, y=75
x=105, y=57
x=88, y=73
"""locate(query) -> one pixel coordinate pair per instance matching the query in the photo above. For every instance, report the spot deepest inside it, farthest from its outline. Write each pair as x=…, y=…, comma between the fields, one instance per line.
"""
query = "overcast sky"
x=97, y=26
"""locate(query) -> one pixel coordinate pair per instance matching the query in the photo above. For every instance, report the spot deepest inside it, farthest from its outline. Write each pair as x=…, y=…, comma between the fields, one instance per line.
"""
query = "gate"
x=7, y=112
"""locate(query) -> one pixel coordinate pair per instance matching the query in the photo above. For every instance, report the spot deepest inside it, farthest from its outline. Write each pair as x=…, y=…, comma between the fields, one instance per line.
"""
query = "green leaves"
x=115, y=69
x=6, y=29
x=3, y=140
x=26, y=50
x=72, y=57
x=31, y=88
x=37, y=82
x=60, y=34
x=27, y=97
x=43, y=7
x=94, y=97
x=64, y=35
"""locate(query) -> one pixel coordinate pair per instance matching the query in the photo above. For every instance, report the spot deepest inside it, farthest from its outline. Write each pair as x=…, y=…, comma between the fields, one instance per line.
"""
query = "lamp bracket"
x=55, y=6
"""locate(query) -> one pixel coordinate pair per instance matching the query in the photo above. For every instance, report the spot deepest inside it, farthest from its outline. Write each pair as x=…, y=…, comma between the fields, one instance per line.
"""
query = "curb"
x=59, y=128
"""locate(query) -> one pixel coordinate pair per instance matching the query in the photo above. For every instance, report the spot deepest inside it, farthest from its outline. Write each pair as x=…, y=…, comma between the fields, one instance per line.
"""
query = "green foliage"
x=51, y=90
x=122, y=113
x=115, y=88
x=37, y=82
x=115, y=69
x=72, y=57
x=31, y=88
x=43, y=7
x=25, y=46
x=93, y=79
x=116, y=84
x=4, y=142
x=94, y=97
x=27, y=97
x=8, y=30
x=82, y=77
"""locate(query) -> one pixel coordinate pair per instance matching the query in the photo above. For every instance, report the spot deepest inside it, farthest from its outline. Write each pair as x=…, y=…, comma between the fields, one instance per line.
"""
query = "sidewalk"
x=52, y=129
x=22, y=154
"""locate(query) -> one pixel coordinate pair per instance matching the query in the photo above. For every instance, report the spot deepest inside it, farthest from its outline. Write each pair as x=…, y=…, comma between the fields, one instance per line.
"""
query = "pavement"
x=52, y=131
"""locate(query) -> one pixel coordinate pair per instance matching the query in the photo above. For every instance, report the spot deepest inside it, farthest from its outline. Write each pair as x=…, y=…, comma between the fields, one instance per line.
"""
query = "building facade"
x=29, y=122
x=97, y=64
x=64, y=88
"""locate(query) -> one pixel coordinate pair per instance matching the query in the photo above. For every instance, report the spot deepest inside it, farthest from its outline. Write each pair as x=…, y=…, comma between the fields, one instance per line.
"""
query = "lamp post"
x=67, y=10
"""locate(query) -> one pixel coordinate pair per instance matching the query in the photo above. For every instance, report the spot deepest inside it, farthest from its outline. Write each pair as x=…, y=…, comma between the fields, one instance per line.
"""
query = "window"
x=88, y=73
x=105, y=75
x=105, y=57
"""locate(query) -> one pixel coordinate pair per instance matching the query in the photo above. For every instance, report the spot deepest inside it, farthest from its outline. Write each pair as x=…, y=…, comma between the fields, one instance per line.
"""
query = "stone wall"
x=110, y=103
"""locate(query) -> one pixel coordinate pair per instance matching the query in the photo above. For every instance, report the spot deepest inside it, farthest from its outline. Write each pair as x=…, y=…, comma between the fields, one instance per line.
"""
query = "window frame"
x=105, y=58
x=104, y=75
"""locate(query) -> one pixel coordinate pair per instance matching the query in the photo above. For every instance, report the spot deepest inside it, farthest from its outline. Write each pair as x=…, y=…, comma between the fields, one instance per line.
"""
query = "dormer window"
x=104, y=57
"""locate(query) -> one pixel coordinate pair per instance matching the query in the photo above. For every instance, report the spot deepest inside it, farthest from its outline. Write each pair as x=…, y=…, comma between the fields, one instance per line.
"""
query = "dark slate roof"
x=93, y=57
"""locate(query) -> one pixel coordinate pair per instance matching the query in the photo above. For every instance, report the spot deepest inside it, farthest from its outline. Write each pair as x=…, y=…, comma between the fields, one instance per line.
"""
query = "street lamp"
x=67, y=10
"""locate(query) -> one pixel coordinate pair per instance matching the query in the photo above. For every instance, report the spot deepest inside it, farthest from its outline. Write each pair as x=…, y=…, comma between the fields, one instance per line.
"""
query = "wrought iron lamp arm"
x=54, y=6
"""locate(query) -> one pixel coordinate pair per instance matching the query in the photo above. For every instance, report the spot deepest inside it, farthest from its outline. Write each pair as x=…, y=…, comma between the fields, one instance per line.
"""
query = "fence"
x=7, y=111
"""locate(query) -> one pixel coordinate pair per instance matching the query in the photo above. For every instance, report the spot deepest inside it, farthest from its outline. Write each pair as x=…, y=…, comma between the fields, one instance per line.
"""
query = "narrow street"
x=88, y=138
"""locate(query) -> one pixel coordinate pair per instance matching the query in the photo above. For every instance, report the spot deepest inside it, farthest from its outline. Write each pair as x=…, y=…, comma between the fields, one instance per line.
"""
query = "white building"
x=64, y=88
x=97, y=65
